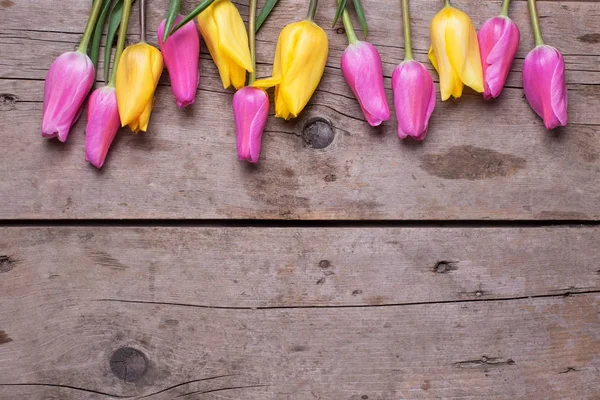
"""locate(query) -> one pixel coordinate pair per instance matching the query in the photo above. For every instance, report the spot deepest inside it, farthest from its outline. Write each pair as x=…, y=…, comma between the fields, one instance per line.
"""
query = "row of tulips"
x=460, y=55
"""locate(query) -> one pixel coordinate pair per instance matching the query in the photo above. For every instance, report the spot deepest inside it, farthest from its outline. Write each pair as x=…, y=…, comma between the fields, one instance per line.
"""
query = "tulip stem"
x=535, y=23
x=312, y=10
x=408, y=53
x=252, y=39
x=505, y=6
x=89, y=28
x=121, y=41
x=348, y=27
x=142, y=20
x=447, y=3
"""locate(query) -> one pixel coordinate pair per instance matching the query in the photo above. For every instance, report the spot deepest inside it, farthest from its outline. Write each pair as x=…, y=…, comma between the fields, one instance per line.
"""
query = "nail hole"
x=7, y=101
x=444, y=267
x=6, y=264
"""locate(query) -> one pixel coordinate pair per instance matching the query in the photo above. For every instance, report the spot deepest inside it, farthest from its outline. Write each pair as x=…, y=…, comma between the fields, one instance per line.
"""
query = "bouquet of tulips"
x=459, y=54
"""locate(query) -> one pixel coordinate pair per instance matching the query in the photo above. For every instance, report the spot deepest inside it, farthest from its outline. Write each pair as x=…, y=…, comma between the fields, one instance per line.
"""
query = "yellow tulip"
x=138, y=73
x=225, y=35
x=299, y=64
x=454, y=52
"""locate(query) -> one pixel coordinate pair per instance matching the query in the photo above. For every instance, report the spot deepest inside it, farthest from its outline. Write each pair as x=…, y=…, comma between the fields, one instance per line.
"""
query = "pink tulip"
x=181, y=53
x=361, y=66
x=250, y=111
x=498, y=41
x=544, y=85
x=414, y=98
x=68, y=82
x=102, y=125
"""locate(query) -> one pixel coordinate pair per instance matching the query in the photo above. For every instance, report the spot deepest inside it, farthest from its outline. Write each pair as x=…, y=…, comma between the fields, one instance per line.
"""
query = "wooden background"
x=464, y=267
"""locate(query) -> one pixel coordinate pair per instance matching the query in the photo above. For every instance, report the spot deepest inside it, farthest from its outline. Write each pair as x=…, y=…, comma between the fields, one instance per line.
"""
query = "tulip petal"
x=137, y=77
x=558, y=90
x=68, y=82
x=102, y=125
x=208, y=29
x=450, y=83
x=181, y=53
x=362, y=69
x=250, y=111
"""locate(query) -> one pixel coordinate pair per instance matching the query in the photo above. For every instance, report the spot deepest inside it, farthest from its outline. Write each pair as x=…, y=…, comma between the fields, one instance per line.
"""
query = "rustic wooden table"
x=347, y=265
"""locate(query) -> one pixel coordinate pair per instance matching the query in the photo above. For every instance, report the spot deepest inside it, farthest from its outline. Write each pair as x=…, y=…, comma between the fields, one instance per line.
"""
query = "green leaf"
x=265, y=12
x=340, y=10
x=174, y=6
x=199, y=8
x=97, y=36
x=113, y=25
x=360, y=12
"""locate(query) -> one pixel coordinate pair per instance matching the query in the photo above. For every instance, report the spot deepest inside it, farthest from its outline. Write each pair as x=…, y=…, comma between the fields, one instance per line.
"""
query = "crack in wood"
x=221, y=390
x=484, y=361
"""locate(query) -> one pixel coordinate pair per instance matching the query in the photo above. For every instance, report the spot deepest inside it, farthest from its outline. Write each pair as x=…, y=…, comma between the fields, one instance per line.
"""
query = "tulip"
x=498, y=41
x=250, y=111
x=361, y=66
x=544, y=78
x=138, y=73
x=181, y=53
x=414, y=99
x=102, y=124
x=544, y=85
x=225, y=35
x=68, y=82
x=299, y=63
x=454, y=52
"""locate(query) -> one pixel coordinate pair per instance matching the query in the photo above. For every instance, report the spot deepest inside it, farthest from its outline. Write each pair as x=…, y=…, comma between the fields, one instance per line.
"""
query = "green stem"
x=535, y=23
x=505, y=6
x=348, y=27
x=408, y=53
x=447, y=3
x=89, y=29
x=252, y=39
x=312, y=9
x=143, y=21
x=121, y=41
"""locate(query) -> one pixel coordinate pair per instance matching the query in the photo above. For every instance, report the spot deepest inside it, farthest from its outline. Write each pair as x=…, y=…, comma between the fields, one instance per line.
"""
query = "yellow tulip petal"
x=463, y=49
x=135, y=82
x=267, y=83
x=450, y=83
x=300, y=61
x=145, y=117
x=233, y=38
x=237, y=75
x=210, y=34
x=432, y=58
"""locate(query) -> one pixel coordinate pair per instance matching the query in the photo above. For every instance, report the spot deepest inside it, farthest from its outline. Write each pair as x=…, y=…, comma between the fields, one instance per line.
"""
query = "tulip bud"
x=181, y=53
x=102, y=124
x=68, y=82
x=225, y=35
x=138, y=73
x=454, y=52
x=361, y=66
x=250, y=111
x=300, y=59
x=498, y=41
x=414, y=98
x=544, y=85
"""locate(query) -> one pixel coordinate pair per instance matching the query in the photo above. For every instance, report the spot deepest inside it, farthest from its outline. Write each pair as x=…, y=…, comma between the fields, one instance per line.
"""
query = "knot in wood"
x=128, y=364
x=318, y=133
x=6, y=264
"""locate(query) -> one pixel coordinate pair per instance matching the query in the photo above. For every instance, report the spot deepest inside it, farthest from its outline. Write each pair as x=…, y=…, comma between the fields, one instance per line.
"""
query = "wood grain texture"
x=481, y=160
x=300, y=313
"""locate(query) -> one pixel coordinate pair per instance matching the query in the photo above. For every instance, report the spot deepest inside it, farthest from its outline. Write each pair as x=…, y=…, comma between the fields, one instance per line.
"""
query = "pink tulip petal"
x=250, y=111
x=414, y=99
x=361, y=66
x=559, y=92
x=498, y=42
x=68, y=82
x=181, y=53
x=102, y=125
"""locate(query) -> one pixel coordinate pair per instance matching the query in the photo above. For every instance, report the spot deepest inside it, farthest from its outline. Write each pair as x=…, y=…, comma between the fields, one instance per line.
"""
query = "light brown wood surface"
x=481, y=160
x=292, y=313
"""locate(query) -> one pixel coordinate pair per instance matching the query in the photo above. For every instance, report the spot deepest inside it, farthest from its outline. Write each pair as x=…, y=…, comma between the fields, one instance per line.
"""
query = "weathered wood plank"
x=315, y=314
x=289, y=267
x=481, y=161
